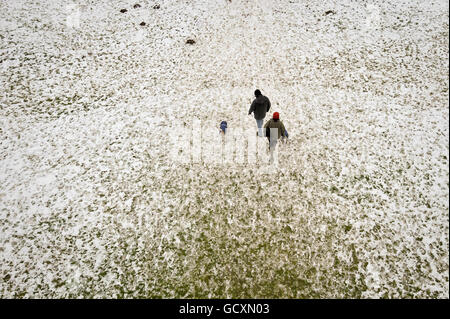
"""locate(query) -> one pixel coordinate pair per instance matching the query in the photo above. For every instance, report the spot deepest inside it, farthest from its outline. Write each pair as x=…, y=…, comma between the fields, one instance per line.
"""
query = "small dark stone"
x=329, y=12
x=123, y=10
x=137, y=5
x=142, y=24
x=156, y=6
x=7, y=277
x=190, y=41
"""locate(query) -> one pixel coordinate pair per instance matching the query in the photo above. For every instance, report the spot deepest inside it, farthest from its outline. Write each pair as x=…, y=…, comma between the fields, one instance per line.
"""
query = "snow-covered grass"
x=93, y=205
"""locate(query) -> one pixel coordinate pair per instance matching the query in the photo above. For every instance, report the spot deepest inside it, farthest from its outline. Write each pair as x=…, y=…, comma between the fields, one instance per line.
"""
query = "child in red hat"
x=274, y=131
x=277, y=127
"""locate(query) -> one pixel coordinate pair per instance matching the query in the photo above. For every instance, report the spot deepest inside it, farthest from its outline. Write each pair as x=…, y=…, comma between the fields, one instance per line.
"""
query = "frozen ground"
x=93, y=205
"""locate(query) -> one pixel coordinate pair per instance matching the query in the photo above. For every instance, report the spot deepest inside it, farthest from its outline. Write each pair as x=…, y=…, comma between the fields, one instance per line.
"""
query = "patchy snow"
x=92, y=203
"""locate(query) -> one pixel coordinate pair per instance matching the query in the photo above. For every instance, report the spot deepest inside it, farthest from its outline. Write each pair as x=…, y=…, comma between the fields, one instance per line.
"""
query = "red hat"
x=276, y=116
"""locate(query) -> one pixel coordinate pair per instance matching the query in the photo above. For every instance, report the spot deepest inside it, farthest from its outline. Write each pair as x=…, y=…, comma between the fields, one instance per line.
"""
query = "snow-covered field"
x=93, y=204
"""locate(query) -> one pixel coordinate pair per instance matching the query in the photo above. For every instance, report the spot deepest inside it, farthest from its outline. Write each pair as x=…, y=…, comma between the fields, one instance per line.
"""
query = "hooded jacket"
x=223, y=126
x=260, y=106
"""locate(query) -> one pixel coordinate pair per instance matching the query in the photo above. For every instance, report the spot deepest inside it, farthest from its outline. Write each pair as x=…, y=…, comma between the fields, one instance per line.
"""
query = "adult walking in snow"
x=259, y=108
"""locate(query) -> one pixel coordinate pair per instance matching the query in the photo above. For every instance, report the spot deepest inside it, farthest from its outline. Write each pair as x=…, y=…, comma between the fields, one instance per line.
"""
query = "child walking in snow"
x=274, y=131
x=223, y=127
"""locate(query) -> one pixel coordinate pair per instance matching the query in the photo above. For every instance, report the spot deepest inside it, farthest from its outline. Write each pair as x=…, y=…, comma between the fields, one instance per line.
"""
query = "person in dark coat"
x=223, y=127
x=259, y=108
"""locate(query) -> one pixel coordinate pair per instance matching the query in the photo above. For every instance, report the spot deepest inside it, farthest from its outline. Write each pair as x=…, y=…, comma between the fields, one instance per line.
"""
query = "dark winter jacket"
x=223, y=126
x=259, y=107
x=275, y=124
